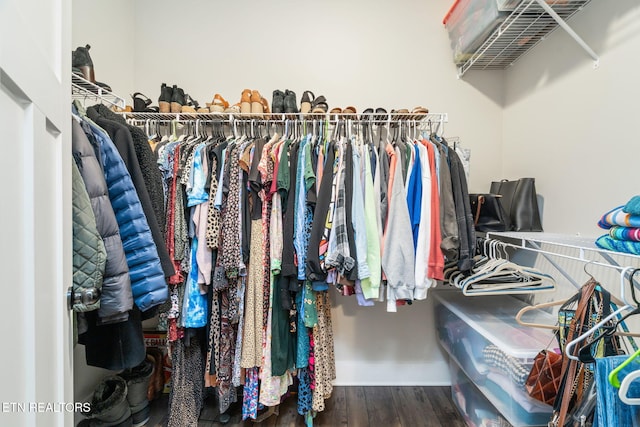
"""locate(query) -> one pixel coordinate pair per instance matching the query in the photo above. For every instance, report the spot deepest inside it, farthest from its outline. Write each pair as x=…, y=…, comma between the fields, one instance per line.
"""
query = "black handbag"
x=520, y=202
x=488, y=213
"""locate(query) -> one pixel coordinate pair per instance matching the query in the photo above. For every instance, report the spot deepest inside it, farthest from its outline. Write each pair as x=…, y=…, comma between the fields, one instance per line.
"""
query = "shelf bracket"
x=561, y=22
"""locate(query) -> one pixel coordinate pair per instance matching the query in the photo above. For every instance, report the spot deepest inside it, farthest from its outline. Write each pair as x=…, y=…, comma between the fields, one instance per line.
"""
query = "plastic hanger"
x=624, y=387
x=556, y=303
x=613, y=375
x=538, y=307
x=585, y=353
x=571, y=344
x=498, y=275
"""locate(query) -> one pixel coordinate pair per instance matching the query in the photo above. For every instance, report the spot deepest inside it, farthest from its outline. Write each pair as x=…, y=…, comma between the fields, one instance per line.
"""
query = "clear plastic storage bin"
x=496, y=353
x=469, y=23
x=473, y=406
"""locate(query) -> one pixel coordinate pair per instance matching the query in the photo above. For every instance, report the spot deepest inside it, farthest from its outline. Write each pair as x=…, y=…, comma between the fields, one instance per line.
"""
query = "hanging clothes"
x=259, y=229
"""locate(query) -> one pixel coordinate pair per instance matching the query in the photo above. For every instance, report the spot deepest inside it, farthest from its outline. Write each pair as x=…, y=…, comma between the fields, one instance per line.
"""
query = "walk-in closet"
x=286, y=213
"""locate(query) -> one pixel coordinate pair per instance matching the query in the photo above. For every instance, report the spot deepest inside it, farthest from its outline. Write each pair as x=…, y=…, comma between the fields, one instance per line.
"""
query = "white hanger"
x=497, y=267
x=624, y=387
x=571, y=344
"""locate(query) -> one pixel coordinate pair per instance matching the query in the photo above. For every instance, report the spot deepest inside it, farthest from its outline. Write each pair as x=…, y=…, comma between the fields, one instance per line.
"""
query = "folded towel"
x=625, y=233
x=627, y=246
x=617, y=216
x=633, y=206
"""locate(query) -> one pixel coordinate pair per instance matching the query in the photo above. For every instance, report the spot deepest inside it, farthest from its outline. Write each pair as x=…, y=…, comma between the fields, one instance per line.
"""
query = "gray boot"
x=109, y=406
x=137, y=385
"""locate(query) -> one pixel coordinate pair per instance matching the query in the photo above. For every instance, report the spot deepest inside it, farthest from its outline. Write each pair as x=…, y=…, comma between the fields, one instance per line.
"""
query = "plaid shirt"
x=339, y=255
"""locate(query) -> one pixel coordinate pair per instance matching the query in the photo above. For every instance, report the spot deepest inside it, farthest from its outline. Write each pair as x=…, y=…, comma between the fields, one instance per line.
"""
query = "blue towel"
x=633, y=206
x=617, y=216
x=627, y=246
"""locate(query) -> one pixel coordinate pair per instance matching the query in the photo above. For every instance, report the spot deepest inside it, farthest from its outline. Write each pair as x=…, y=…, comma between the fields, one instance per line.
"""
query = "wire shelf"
x=84, y=89
x=376, y=118
x=585, y=248
x=524, y=28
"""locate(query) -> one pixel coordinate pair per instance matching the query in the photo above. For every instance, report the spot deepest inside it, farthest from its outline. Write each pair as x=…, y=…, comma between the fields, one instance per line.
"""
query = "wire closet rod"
x=420, y=124
x=361, y=117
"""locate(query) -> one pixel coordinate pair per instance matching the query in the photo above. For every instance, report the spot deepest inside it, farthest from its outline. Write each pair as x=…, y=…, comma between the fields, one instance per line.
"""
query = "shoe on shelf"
x=265, y=105
x=245, y=102
x=233, y=109
x=82, y=64
x=177, y=99
x=141, y=104
x=367, y=114
x=256, y=103
x=320, y=106
x=277, y=103
x=381, y=114
x=420, y=111
x=306, y=100
x=164, y=101
x=349, y=111
x=218, y=105
x=190, y=105
x=290, y=103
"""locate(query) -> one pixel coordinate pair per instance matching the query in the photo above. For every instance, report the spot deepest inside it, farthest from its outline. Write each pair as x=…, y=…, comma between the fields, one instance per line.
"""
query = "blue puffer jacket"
x=147, y=278
x=116, y=299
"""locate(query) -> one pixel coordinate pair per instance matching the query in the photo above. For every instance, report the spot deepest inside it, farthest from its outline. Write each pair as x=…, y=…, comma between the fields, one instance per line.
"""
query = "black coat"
x=121, y=137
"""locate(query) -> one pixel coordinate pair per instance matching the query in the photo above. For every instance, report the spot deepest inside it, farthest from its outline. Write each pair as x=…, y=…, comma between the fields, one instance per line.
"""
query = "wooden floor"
x=348, y=406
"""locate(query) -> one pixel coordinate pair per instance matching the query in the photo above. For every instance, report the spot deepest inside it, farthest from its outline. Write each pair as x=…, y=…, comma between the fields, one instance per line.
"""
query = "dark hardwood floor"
x=381, y=406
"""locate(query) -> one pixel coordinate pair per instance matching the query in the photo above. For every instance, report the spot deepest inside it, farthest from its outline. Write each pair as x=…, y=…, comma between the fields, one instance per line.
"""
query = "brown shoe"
x=420, y=110
x=256, y=103
x=349, y=111
x=265, y=105
x=245, y=102
x=219, y=104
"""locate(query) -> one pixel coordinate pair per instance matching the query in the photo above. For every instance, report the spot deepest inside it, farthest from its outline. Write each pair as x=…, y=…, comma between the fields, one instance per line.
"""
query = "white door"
x=36, y=377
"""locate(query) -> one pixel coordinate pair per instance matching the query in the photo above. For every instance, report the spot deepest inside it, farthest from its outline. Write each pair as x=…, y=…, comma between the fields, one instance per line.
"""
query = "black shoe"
x=140, y=102
x=306, y=100
x=191, y=102
x=177, y=99
x=82, y=63
x=277, y=104
x=290, y=103
x=164, y=101
x=166, y=93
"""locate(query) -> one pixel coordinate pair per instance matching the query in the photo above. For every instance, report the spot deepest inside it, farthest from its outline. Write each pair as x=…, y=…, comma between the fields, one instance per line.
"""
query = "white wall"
x=361, y=53
x=108, y=27
x=573, y=127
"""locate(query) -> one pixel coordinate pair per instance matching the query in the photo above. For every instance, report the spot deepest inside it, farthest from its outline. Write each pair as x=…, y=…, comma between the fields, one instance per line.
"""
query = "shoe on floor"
x=109, y=405
x=137, y=386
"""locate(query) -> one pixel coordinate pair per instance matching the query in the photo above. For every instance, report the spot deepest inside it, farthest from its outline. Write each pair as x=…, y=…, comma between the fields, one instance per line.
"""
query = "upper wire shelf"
x=583, y=248
x=524, y=28
x=84, y=89
x=376, y=118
